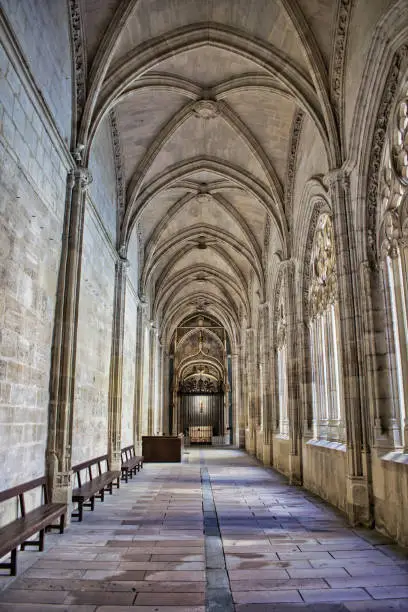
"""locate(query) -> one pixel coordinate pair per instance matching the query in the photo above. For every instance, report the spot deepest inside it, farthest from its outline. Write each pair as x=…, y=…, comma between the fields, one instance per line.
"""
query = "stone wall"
x=103, y=187
x=281, y=454
x=390, y=493
x=325, y=471
x=90, y=427
x=42, y=30
x=33, y=170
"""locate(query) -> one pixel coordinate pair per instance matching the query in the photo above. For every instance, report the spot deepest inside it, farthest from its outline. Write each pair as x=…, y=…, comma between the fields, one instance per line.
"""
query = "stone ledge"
x=328, y=445
x=396, y=457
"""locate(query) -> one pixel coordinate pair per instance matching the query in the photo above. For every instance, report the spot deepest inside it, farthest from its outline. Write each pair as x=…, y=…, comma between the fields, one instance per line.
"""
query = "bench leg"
x=41, y=540
x=80, y=511
x=13, y=563
x=92, y=500
x=62, y=523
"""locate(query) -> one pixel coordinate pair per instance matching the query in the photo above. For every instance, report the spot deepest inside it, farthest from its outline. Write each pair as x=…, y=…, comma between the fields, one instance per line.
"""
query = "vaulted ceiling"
x=205, y=95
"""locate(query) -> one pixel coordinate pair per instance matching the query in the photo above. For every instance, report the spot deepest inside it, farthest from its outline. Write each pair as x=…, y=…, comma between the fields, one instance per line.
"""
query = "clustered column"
x=63, y=359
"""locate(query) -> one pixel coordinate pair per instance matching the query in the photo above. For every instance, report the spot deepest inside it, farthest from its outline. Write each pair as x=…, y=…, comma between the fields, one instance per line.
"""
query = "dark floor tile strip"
x=218, y=592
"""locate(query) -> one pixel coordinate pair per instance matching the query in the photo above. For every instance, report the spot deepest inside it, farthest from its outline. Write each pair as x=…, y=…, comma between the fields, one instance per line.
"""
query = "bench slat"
x=17, y=490
x=89, y=488
x=15, y=533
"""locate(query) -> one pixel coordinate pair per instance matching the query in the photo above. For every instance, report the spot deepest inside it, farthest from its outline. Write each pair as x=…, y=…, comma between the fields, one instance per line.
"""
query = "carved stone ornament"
x=291, y=168
x=323, y=275
x=400, y=142
x=390, y=233
x=204, y=198
x=376, y=165
x=119, y=165
x=339, y=55
x=318, y=209
x=79, y=55
x=266, y=241
x=200, y=385
x=206, y=109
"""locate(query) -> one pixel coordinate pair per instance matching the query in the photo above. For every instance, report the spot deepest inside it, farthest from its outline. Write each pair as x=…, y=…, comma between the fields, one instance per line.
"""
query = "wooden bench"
x=17, y=532
x=131, y=463
x=85, y=493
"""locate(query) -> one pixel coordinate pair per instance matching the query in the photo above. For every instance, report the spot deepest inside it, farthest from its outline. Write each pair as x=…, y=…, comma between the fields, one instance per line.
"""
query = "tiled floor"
x=144, y=549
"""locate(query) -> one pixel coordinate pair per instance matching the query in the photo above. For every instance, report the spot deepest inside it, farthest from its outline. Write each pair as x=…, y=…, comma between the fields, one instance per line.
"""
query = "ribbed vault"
x=205, y=96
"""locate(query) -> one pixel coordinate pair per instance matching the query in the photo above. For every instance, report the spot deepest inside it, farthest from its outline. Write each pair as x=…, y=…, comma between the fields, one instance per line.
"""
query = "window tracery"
x=282, y=359
x=324, y=334
x=393, y=251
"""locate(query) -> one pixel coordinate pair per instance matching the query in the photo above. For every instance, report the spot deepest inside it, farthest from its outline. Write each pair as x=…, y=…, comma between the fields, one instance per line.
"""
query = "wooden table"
x=162, y=448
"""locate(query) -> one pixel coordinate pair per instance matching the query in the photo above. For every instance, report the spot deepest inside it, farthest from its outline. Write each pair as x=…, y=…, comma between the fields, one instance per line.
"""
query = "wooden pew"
x=17, y=532
x=131, y=463
x=85, y=493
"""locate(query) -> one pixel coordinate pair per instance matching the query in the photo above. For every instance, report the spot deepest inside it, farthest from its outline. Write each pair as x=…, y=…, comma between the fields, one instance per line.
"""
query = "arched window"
x=393, y=248
x=324, y=335
x=282, y=360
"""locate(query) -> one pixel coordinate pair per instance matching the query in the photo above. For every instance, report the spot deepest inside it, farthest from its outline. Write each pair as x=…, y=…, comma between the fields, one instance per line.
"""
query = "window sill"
x=395, y=457
x=328, y=444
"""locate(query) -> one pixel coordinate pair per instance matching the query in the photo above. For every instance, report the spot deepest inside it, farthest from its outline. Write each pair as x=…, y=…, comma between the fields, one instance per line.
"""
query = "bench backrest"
x=127, y=452
x=19, y=491
x=88, y=465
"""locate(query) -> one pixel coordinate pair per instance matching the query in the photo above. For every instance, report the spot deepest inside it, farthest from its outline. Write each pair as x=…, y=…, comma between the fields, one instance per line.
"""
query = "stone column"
x=137, y=413
x=236, y=404
x=116, y=367
x=356, y=416
x=295, y=451
x=249, y=370
x=63, y=357
x=159, y=386
x=386, y=435
x=152, y=378
x=267, y=386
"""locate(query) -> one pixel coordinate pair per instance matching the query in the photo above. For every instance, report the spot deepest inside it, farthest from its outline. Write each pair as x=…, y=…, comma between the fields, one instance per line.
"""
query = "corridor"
x=214, y=533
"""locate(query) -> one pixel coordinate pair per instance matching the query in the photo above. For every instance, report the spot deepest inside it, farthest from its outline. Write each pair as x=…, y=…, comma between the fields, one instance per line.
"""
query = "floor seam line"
x=218, y=589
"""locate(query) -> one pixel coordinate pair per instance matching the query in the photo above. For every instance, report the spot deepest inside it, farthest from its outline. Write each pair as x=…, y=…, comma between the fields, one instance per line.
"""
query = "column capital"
x=337, y=177
x=122, y=263
x=82, y=177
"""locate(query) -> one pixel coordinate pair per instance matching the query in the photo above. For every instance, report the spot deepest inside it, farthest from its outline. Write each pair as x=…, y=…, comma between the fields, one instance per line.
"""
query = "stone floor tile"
x=323, y=572
x=378, y=605
x=389, y=580
x=100, y=598
x=278, y=596
x=389, y=592
x=30, y=596
x=335, y=595
x=271, y=585
x=170, y=599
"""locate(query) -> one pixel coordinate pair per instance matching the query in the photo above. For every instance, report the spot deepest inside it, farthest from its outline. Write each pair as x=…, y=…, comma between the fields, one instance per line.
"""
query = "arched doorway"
x=201, y=390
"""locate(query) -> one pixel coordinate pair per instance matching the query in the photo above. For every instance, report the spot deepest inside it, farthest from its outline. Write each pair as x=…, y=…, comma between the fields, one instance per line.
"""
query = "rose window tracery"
x=323, y=286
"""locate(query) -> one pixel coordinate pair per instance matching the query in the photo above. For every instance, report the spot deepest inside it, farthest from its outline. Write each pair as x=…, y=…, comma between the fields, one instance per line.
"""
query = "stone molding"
x=119, y=168
x=266, y=241
x=339, y=57
x=398, y=66
x=78, y=57
x=297, y=124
